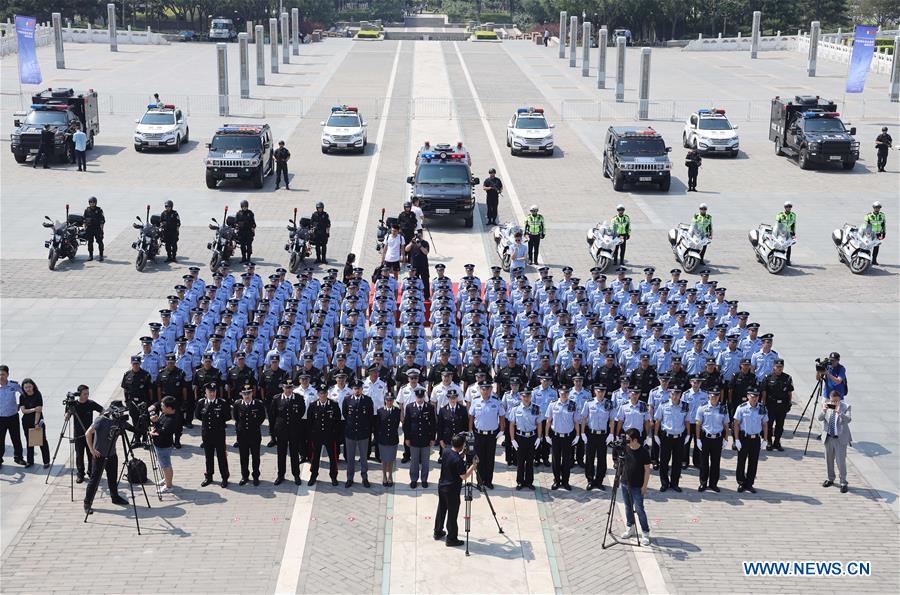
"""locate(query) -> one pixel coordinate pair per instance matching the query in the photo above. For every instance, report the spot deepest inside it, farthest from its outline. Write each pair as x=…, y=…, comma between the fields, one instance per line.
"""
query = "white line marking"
x=366, y=203
x=289, y=571
x=647, y=562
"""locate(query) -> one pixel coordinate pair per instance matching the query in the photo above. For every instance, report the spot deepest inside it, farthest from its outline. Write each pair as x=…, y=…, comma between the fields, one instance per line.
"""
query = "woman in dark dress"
x=388, y=437
x=348, y=267
x=30, y=406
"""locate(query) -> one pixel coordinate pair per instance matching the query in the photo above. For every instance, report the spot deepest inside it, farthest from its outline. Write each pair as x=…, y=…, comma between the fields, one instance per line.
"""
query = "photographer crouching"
x=166, y=425
x=101, y=442
x=635, y=478
x=453, y=474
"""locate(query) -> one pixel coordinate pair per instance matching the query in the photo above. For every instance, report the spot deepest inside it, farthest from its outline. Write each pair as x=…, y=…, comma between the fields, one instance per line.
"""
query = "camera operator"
x=417, y=251
x=166, y=426
x=84, y=409
x=835, y=418
x=635, y=478
x=100, y=439
x=453, y=473
x=834, y=375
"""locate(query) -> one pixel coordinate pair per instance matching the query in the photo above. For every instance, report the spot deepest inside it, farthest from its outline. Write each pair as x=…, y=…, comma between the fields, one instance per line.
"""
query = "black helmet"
x=244, y=203
x=92, y=200
x=407, y=205
x=884, y=128
x=320, y=205
x=492, y=171
x=169, y=203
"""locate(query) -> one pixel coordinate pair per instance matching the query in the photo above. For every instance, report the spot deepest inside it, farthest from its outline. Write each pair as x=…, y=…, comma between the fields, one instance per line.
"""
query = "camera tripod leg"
x=62, y=434
x=129, y=455
x=812, y=417
x=817, y=391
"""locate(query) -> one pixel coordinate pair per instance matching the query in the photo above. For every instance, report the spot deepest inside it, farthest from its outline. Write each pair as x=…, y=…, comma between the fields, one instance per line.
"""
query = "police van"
x=633, y=155
x=61, y=109
x=529, y=132
x=709, y=131
x=344, y=130
x=443, y=182
x=161, y=127
x=240, y=152
x=811, y=129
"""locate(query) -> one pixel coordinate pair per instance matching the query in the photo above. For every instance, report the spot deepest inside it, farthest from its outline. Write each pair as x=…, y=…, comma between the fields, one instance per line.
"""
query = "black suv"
x=443, y=182
x=240, y=151
x=636, y=155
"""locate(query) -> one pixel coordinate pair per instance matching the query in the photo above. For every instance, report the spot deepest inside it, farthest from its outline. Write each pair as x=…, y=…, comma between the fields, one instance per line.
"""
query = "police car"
x=345, y=130
x=161, y=127
x=529, y=132
x=709, y=131
x=240, y=152
x=443, y=182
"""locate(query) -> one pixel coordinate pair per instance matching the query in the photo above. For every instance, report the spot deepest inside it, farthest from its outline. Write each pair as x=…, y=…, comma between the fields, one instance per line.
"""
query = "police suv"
x=529, y=132
x=345, y=130
x=443, y=182
x=636, y=155
x=709, y=131
x=810, y=128
x=240, y=151
x=161, y=127
x=62, y=109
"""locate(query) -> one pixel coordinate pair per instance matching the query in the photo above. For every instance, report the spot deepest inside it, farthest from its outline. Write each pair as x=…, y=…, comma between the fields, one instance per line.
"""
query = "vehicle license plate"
x=342, y=145
x=442, y=211
x=835, y=157
x=230, y=175
x=721, y=148
x=645, y=178
x=33, y=151
x=534, y=148
x=153, y=143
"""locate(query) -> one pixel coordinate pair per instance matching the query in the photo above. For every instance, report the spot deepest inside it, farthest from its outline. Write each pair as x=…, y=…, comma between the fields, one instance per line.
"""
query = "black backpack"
x=137, y=471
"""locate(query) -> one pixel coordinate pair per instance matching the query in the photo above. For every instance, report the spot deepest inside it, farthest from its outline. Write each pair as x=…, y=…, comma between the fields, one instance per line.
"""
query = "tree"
x=879, y=12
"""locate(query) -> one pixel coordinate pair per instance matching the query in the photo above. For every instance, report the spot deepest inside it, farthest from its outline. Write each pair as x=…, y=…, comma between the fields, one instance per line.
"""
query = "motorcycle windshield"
x=696, y=232
x=602, y=230
x=865, y=232
x=59, y=226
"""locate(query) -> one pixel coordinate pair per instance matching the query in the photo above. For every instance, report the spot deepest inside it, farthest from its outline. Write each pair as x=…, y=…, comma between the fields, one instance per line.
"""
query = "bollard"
x=644, y=90
x=573, y=40
x=754, y=42
x=243, y=41
x=285, y=40
x=222, y=54
x=273, y=44
x=601, y=60
x=58, y=41
x=585, y=48
x=813, y=48
x=111, y=26
x=562, y=34
x=250, y=37
x=295, y=30
x=895, y=71
x=620, y=69
x=260, y=54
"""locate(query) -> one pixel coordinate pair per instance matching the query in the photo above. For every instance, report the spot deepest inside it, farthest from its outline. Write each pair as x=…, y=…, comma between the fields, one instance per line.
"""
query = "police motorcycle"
x=147, y=244
x=687, y=243
x=771, y=245
x=66, y=237
x=504, y=239
x=298, y=244
x=602, y=242
x=855, y=245
x=223, y=245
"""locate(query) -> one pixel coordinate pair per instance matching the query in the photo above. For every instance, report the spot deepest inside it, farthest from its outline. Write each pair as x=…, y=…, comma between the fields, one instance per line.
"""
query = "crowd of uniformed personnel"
x=556, y=368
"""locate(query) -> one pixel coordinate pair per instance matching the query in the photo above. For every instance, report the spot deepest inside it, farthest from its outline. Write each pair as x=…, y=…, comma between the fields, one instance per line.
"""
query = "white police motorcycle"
x=602, y=242
x=504, y=239
x=771, y=245
x=855, y=245
x=688, y=242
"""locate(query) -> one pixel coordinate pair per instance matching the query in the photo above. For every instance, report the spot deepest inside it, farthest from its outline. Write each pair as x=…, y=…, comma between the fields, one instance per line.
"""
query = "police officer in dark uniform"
x=309, y=368
x=289, y=408
x=644, y=378
x=358, y=410
x=407, y=221
x=473, y=368
x=512, y=369
x=324, y=420
x=692, y=161
x=608, y=374
x=710, y=377
x=321, y=230
x=270, y=384
x=170, y=222
x=137, y=384
x=282, y=156
x=239, y=376
x=680, y=379
x=742, y=381
x=214, y=413
x=777, y=390
x=94, y=220
x=172, y=383
x=245, y=221
x=248, y=414
x=45, y=149
x=883, y=143
x=492, y=188
x=452, y=419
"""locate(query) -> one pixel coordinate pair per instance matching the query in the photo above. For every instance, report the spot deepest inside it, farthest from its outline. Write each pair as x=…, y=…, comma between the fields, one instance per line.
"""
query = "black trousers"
x=875, y=254
x=670, y=449
x=315, y=457
x=246, y=244
x=534, y=247
x=80, y=159
x=882, y=159
x=486, y=448
x=619, y=251
x=709, y=463
x=27, y=424
x=525, y=460
x=448, y=507
x=214, y=449
x=509, y=452
x=542, y=452
x=248, y=447
x=321, y=251
x=654, y=447
x=563, y=455
x=80, y=451
x=94, y=234
x=777, y=413
x=595, y=463
x=187, y=409
x=171, y=244
x=44, y=152
x=10, y=423
x=281, y=173
x=289, y=443
x=748, y=459
x=492, y=204
x=692, y=178
x=111, y=465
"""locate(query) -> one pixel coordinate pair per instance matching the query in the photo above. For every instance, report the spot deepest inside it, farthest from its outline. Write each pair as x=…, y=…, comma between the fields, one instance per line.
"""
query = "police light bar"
x=43, y=106
x=429, y=155
x=530, y=110
x=704, y=111
x=719, y=110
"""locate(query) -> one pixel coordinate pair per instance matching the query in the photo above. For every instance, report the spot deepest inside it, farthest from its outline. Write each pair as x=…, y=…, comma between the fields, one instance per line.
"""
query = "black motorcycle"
x=223, y=245
x=67, y=235
x=298, y=245
x=384, y=228
x=147, y=244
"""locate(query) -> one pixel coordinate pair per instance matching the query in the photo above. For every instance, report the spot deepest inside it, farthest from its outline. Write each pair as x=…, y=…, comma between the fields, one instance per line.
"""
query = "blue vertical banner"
x=29, y=68
x=861, y=58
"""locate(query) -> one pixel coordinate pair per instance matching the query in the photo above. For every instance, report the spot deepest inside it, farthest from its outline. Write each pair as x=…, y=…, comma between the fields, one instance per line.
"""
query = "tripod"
x=467, y=515
x=62, y=434
x=814, y=397
x=619, y=464
x=153, y=463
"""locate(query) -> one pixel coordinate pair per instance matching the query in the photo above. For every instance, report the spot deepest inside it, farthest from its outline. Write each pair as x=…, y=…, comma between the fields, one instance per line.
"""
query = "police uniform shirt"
x=751, y=419
x=248, y=416
x=407, y=394
x=338, y=395
x=729, y=362
x=308, y=395
x=486, y=413
x=562, y=416
x=580, y=397
x=694, y=399
x=439, y=393
x=544, y=396
x=658, y=396
x=596, y=414
x=526, y=417
x=151, y=363
x=694, y=361
x=741, y=383
x=376, y=391
x=358, y=412
x=135, y=384
x=633, y=416
x=323, y=419
x=214, y=414
x=763, y=363
x=451, y=420
x=671, y=417
x=712, y=418
x=778, y=387
x=171, y=382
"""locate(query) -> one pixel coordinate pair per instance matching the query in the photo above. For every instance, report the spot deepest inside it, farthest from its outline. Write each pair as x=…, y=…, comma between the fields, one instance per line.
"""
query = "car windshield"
x=221, y=25
x=714, y=124
x=235, y=143
x=48, y=117
x=531, y=122
x=343, y=121
x=442, y=173
x=641, y=146
x=823, y=125
x=158, y=119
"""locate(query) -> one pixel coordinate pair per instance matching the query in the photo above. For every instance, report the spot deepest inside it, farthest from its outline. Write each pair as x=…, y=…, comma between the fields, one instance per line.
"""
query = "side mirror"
x=321, y=123
x=552, y=125
x=213, y=219
x=47, y=218
x=138, y=218
x=735, y=127
x=410, y=180
x=476, y=181
x=668, y=149
x=209, y=145
x=137, y=121
x=181, y=121
x=853, y=131
x=17, y=123
x=365, y=123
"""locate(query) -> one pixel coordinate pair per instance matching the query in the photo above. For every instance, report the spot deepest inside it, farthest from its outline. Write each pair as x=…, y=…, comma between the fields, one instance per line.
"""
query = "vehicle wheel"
x=141, y=261
x=325, y=150
x=260, y=178
x=803, y=159
x=210, y=180
x=513, y=152
x=778, y=149
x=734, y=154
x=618, y=181
x=665, y=184
x=848, y=164
x=469, y=221
x=775, y=264
x=20, y=158
x=504, y=262
x=187, y=135
x=859, y=265
x=508, y=144
x=52, y=258
x=365, y=141
x=605, y=170
x=90, y=143
x=602, y=263
x=694, y=144
x=138, y=148
x=214, y=260
x=690, y=263
x=177, y=144
x=296, y=262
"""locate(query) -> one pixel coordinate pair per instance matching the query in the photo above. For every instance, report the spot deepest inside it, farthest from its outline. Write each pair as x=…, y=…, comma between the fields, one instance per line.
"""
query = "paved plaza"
x=80, y=323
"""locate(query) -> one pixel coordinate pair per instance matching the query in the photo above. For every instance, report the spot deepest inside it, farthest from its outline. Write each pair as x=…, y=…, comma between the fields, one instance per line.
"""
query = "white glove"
x=584, y=438
x=737, y=444
x=687, y=438
x=609, y=439
x=656, y=439
x=515, y=445
x=498, y=434
x=576, y=439
x=549, y=441
x=699, y=444
x=647, y=441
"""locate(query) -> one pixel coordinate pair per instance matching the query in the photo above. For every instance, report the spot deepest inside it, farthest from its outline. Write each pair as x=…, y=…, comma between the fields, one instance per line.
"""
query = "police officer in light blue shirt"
x=763, y=361
x=672, y=426
x=287, y=360
x=729, y=360
x=694, y=361
x=542, y=397
x=711, y=432
x=695, y=397
x=597, y=422
x=633, y=413
x=750, y=426
x=487, y=422
x=562, y=418
x=151, y=361
x=525, y=432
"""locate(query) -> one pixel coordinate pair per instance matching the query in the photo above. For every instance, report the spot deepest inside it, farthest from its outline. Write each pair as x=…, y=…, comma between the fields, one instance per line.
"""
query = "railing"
x=9, y=44
x=881, y=60
x=44, y=36
x=718, y=44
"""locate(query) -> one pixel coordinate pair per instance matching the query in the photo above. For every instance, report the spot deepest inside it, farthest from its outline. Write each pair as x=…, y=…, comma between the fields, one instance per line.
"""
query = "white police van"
x=161, y=127
x=529, y=132
x=344, y=130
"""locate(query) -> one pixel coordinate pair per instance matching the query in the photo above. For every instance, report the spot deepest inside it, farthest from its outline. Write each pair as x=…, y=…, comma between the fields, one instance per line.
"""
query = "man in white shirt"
x=390, y=254
x=80, y=140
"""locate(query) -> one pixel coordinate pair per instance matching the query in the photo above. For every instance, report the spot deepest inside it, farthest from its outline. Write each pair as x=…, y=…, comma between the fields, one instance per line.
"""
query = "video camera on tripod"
x=470, y=456
x=821, y=364
x=69, y=401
